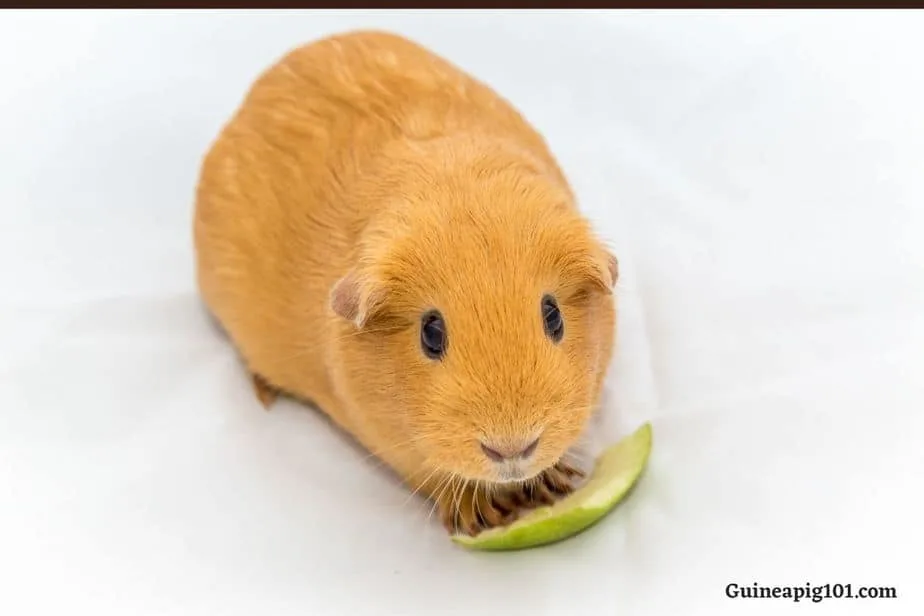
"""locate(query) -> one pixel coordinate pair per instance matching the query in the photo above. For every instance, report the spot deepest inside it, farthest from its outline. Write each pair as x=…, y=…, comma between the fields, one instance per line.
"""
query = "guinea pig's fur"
x=364, y=182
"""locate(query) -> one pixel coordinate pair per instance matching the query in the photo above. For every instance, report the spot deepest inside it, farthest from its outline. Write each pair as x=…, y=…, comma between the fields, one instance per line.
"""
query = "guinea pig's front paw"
x=548, y=486
x=475, y=508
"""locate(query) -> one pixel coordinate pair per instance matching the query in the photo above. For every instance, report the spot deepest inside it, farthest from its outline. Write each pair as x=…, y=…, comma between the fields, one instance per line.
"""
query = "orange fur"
x=365, y=180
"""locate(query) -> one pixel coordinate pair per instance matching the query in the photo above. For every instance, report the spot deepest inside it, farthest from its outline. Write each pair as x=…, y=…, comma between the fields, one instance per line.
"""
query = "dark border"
x=465, y=4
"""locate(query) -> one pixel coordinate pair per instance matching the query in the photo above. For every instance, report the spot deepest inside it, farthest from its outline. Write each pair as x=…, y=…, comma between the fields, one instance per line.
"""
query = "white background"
x=761, y=176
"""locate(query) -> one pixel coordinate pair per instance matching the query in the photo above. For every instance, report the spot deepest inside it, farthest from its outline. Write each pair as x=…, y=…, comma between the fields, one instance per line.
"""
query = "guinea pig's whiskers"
x=432, y=510
x=375, y=460
x=474, y=503
x=406, y=480
x=447, y=483
x=456, y=484
x=463, y=486
x=412, y=441
x=430, y=496
x=477, y=502
x=447, y=488
x=420, y=485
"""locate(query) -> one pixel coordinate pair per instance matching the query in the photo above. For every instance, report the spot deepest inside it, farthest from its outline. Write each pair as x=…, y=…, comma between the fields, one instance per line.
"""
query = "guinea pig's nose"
x=499, y=453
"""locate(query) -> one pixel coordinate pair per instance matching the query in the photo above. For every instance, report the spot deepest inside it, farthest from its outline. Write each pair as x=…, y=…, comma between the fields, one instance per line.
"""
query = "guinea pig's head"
x=480, y=316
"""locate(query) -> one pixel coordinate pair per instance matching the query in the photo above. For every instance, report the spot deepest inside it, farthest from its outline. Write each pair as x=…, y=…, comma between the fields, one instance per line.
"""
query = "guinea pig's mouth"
x=514, y=471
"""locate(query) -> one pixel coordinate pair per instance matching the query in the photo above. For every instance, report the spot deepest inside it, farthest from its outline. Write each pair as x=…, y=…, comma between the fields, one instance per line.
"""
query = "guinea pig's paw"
x=265, y=392
x=477, y=508
x=549, y=486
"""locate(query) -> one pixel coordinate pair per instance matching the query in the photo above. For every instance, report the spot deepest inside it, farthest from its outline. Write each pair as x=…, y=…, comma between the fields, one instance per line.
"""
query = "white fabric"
x=761, y=176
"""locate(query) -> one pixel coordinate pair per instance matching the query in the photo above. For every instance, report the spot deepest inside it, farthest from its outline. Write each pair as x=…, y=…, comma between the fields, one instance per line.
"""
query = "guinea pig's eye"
x=551, y=318
x=433, y=335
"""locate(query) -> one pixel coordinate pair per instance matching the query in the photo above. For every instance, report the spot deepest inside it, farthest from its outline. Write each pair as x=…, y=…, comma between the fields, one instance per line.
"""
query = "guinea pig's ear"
x=354, y=298
x=600, y=271
x=612, y=265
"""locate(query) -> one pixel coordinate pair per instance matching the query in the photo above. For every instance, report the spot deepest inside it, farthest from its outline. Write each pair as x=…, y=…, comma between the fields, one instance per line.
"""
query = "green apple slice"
x=615, y=472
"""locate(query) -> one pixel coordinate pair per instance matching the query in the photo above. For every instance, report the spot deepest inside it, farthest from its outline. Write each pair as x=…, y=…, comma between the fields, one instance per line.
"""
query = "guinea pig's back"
x=275, y=224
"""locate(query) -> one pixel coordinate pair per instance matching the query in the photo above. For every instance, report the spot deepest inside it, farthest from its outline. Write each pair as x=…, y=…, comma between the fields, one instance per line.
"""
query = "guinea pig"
x=384, y=237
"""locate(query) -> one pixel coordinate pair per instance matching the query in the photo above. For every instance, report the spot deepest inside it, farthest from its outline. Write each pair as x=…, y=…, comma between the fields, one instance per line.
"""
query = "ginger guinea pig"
x=385, y=237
